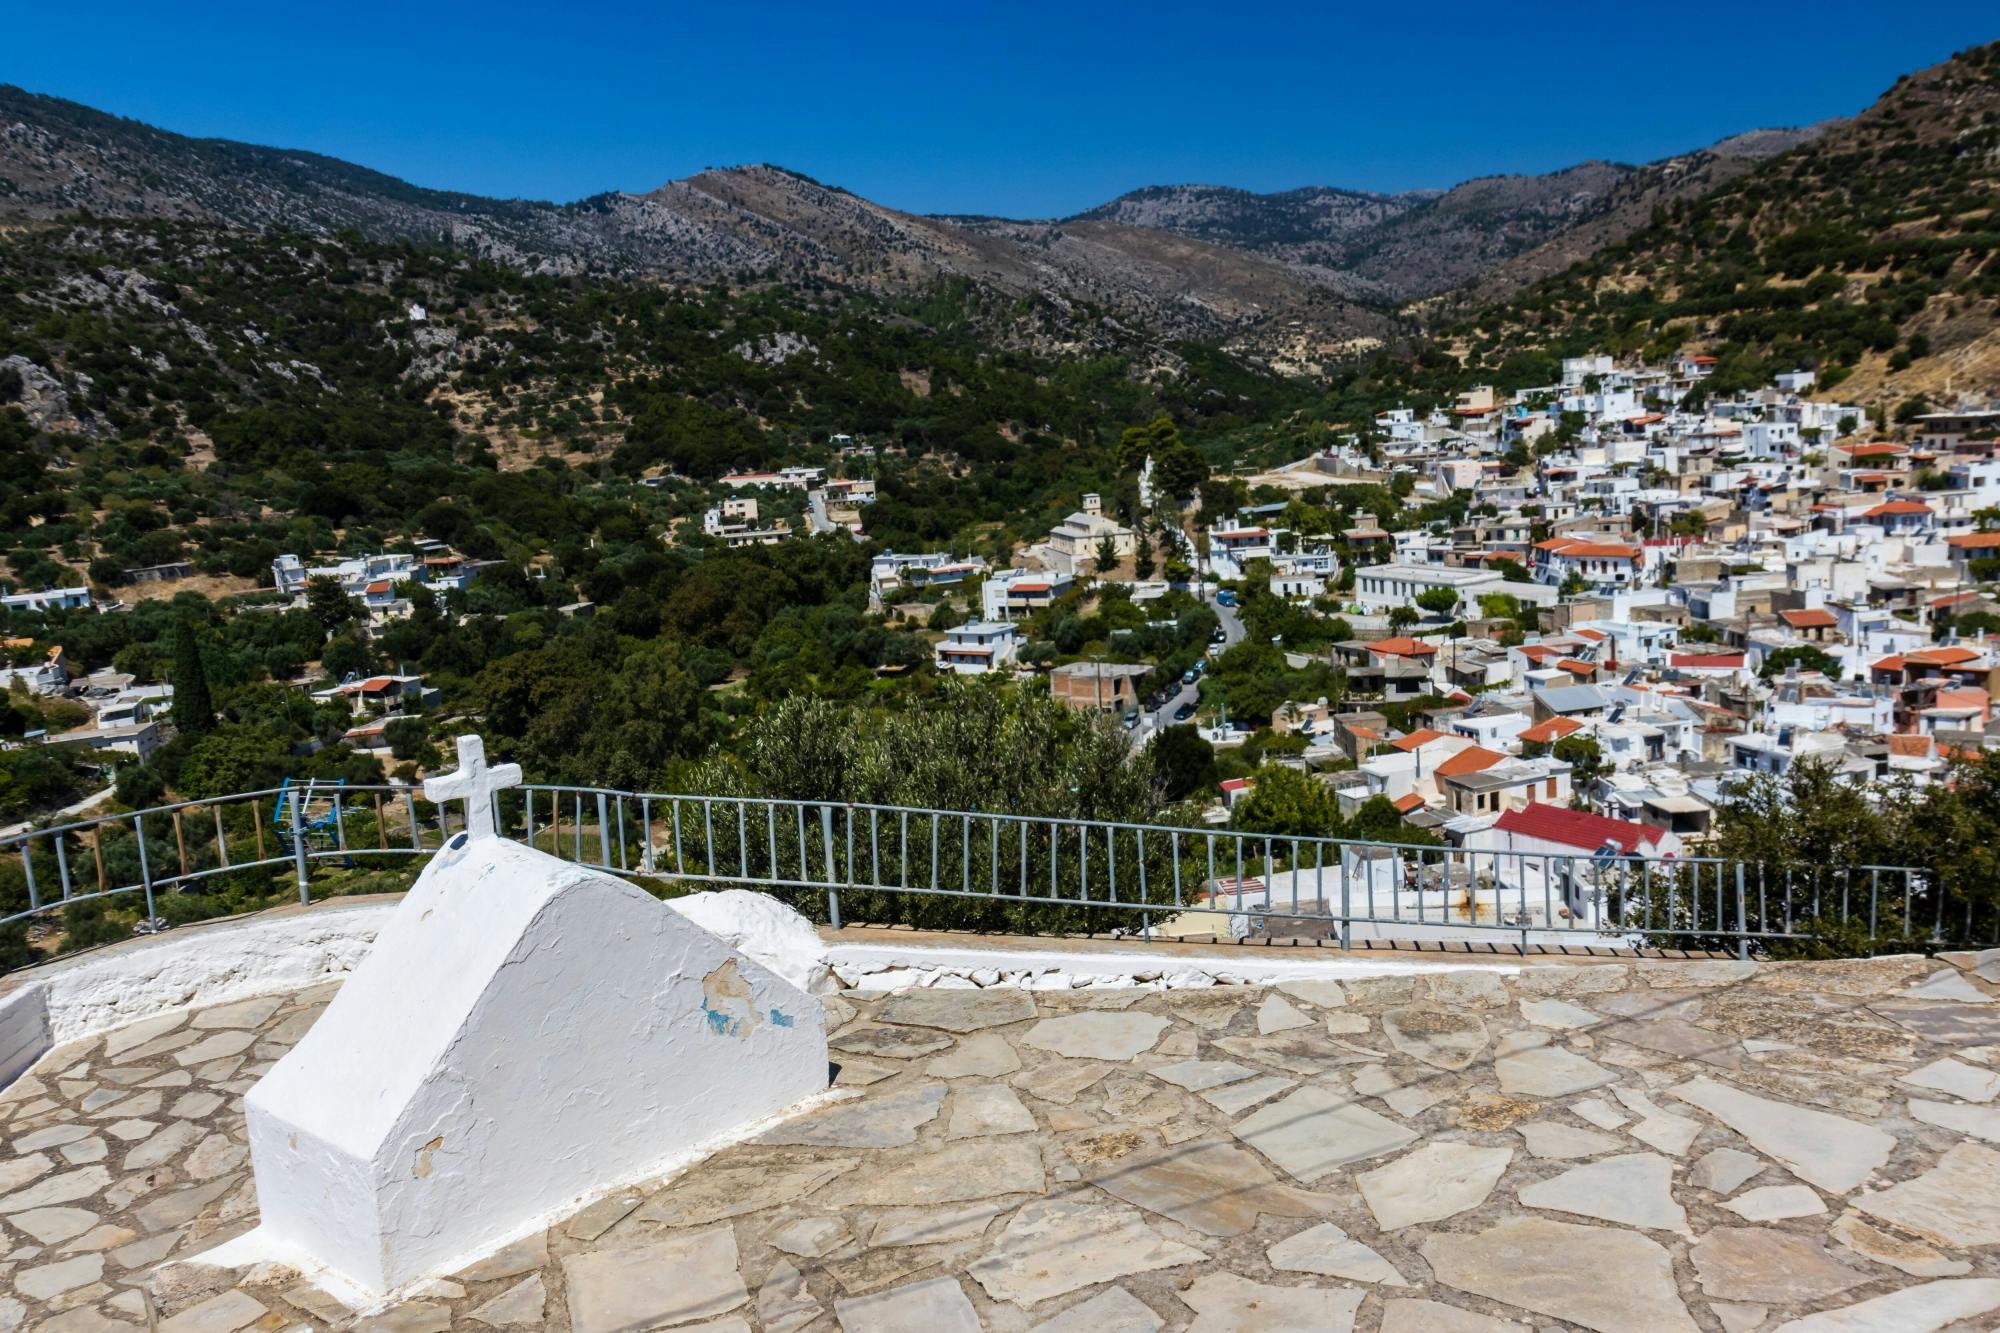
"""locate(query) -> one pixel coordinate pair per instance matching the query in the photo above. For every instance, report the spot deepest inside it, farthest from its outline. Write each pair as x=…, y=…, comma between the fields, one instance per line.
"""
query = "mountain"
x=1496, y=233
x=1866, y=252
x=1297, y=278
x=1314, y=215
x=749, y=223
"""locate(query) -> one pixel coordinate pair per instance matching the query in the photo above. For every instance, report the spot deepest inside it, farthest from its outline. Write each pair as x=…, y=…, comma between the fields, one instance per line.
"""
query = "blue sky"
x=1025, y=109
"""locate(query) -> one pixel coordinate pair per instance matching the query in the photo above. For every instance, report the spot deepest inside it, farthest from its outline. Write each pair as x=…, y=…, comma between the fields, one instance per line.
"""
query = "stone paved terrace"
x=1624, y=1146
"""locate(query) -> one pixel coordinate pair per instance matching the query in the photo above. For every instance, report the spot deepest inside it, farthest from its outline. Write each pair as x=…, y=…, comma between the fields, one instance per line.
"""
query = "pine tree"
x=194, y=709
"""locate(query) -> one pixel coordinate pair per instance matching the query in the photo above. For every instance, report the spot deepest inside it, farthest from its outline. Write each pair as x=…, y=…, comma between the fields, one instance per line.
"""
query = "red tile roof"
x=1814, y=619
x=1974, y=541
x=1705, y=660
x=1584, y=550
x=1578, y=828
x=1544, y=733
x=1403, y=647
x=1416, y=739
x=1952, y=656
x=1472, y=759
x=1892, y=508
x=1408, y=802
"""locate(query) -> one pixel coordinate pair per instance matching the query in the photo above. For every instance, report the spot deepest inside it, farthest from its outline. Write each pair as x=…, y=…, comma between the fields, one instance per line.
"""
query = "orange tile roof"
x=1891, y=508
x=1974, y=541
x=1952, y=656
x=1814, y=619
x=1576, y=668
x=1408, y=802
x=1544, y=733
x=1472, y=759
x=1588, y=550
x=1421, y=737
x=1403, y=647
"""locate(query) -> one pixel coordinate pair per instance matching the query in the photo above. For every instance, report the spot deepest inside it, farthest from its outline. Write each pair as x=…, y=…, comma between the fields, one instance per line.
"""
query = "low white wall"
x=216, y=964
x=890, y=967
x=24, y=1031
x=204, y=965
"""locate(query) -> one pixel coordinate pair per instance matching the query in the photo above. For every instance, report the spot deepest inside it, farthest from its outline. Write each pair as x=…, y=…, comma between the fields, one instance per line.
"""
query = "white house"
x=979, y=647
x=48, y=599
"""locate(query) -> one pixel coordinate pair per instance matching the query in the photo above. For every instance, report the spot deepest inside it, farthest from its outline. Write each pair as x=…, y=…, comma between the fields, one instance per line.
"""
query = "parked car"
x=1184, y=712
x=1131, y=719
x=1227, y=597
x=1187, y=677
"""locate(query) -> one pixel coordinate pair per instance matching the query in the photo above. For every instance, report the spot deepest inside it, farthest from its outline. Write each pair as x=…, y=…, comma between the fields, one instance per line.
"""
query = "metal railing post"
x=1742, y=919
x=145, y=866
x=299, y=854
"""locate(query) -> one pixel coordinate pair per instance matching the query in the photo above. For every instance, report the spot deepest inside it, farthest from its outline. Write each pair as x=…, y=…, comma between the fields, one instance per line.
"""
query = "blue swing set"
x=318, y=814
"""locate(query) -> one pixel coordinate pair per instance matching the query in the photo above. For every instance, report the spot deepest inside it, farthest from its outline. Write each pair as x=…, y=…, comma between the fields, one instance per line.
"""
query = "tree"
x=1438, y=601
x=1807, y=657
x=1401, y=618
x=1585, y=758
x=1286, y=801
x=1185, y=762
x=1143, y=563
x=193, y=708
x=1107, y=554
x=330, y=606
x=1378, y=820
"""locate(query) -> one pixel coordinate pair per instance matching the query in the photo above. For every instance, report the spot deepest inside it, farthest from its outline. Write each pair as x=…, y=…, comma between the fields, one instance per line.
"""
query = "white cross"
x=476, y=783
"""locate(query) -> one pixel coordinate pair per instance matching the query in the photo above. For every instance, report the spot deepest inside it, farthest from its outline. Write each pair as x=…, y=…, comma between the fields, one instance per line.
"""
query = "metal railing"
x=978, y=870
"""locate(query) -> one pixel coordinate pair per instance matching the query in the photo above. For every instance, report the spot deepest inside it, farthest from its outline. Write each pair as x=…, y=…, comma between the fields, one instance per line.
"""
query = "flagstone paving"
x=1612, y=1146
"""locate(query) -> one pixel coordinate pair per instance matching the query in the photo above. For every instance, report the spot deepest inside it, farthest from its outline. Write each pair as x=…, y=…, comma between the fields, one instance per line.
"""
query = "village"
x=1654, y=593
x=1646, y=605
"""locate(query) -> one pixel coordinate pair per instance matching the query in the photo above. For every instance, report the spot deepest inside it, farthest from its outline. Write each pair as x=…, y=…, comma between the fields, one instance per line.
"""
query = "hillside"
x=749, y=223
x=1301, y=278
x=1496, y=233
x=1866, y=252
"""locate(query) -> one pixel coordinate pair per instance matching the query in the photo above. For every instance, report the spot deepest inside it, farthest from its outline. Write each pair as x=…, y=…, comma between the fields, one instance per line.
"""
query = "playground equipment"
x=318, y=816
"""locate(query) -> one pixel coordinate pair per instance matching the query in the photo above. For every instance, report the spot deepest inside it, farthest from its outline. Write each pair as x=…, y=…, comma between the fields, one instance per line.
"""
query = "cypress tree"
x=194, y=709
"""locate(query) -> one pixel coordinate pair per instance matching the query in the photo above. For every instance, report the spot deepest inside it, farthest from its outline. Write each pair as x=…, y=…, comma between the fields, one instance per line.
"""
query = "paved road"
x=816, y=519
x=83, y=806
x=1232, y=634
